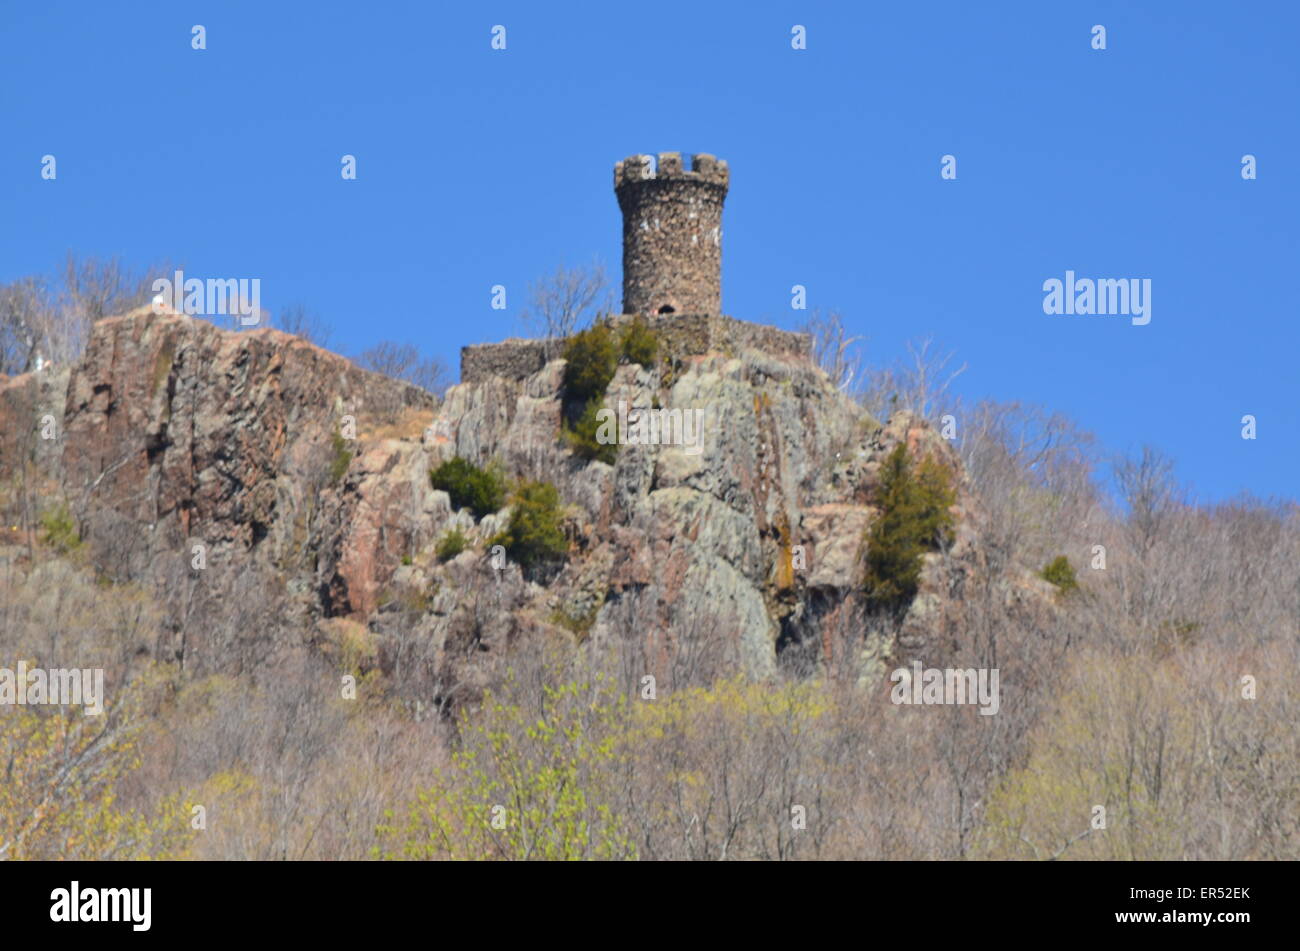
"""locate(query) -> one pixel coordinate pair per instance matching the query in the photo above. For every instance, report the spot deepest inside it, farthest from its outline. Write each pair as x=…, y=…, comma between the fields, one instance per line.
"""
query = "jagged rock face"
x=31, y=420
x=176, y=433
x=727, y=554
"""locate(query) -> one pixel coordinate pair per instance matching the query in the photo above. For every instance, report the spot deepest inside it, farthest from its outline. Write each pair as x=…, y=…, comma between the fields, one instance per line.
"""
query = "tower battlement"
x=704, y=168
x=672, y=233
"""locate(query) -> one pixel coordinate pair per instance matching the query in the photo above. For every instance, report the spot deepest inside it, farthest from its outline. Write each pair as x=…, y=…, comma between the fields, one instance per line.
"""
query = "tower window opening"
x=667, y=309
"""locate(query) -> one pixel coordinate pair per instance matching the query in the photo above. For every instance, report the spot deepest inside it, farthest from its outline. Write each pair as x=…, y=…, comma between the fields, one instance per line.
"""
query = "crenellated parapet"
x=705, y=169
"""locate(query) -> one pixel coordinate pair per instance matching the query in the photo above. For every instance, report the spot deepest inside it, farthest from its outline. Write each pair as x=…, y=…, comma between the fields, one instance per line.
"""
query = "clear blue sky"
x=479, y=167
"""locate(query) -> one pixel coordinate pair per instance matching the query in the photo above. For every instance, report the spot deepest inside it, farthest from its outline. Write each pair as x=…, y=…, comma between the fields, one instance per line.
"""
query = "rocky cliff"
x=277, y=495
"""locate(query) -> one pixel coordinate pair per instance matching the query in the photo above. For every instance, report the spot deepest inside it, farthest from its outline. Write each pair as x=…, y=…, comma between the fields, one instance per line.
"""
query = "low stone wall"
x=697, y=334
x=512, y=359
x=680, y=335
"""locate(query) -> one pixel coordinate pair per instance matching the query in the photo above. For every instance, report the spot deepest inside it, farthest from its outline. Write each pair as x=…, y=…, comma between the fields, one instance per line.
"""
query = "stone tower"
x=672, y=233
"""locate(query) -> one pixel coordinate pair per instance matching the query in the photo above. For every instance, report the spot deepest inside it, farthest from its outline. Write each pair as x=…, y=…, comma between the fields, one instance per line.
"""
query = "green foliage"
x=581, y=436
x=534, y=536
x=342, y=458
x=451, y=545
x=1060, y=573
x=914, y=519
x=1082, y=754
x=640, y=344
x=63, y=770
x=592, y=358
x=568, y=775
x=60, y=530
x=525, y=784
x=482, y=491
x=740, y=706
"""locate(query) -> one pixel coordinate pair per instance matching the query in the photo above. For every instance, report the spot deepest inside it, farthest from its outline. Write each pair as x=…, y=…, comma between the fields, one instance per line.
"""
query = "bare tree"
x=49, y=319
x=918, y=386
x=96, y=288
x=1146, y=485
x=25, y=313
x=560, y=303
x=404, y=361
x=1033, y=473
x=296, y=319
x=833, y=348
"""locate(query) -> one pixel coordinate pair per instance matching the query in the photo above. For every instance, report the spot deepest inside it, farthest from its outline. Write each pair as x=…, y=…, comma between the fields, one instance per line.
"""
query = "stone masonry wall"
x=680, y=335
x=511, y=359
x=672, y=233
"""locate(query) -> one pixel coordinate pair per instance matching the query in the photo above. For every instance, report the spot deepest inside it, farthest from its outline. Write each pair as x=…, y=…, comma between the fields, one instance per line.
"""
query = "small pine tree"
x=581, y=437
x=914, y=518
x=60, y=529
x=592, y=358
x=342, y=458
x=534, y=537
x=640, y=344
x=1060, y=573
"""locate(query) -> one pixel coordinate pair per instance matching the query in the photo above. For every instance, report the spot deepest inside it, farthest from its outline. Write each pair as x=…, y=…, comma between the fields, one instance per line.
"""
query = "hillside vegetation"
x=455, y=635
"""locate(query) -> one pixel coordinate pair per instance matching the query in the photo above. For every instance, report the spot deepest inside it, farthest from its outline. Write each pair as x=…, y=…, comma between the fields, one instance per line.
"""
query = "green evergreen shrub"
x=1061, y=573
x=592, y=358
x=640, y=344
x=482, y=491
x=60, y=529
x=534, y=537
x=581, y=436
x=914, y=518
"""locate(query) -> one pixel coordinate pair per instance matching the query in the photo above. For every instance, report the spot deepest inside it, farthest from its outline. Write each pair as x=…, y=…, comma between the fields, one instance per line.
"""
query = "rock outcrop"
x=278, y=496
